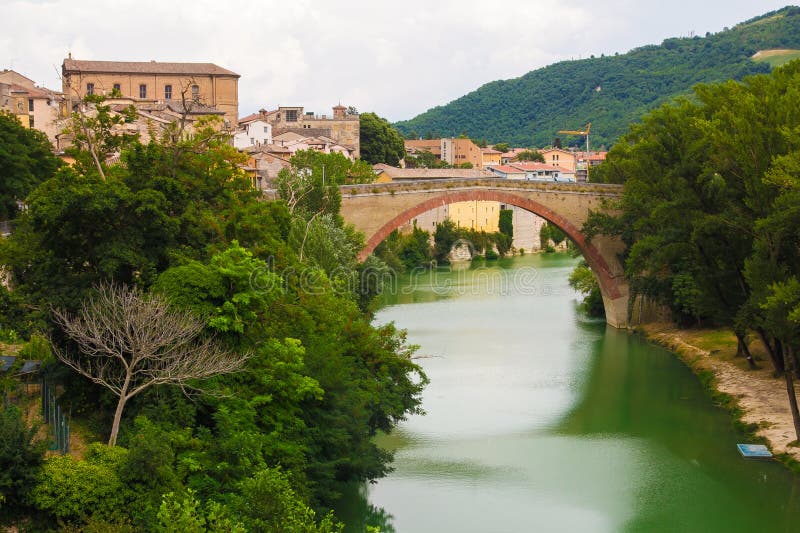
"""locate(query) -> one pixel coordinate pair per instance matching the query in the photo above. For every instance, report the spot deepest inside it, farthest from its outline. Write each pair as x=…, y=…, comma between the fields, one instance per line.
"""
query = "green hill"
x=611, y=92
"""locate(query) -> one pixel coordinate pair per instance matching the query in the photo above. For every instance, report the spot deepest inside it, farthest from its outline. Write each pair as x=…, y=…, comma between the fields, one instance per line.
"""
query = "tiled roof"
x=533, y=166
x=144, y=67
x=506, y=169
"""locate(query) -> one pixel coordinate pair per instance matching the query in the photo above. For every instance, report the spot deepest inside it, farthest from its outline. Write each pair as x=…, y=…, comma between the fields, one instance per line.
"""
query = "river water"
x=540, y=419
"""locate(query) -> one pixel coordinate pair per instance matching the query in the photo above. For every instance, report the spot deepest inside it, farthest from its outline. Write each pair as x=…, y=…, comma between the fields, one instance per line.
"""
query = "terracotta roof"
x=490, y=151
x=144, y=67
x=424, y=143
x=506, y=169
x=532, y=166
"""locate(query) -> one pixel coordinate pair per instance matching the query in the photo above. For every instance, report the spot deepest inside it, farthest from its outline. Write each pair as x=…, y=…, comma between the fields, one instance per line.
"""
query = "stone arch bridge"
x=377, y=209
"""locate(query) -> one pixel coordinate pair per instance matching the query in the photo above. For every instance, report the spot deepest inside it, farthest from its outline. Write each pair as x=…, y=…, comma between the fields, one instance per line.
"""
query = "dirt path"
x=759, y=395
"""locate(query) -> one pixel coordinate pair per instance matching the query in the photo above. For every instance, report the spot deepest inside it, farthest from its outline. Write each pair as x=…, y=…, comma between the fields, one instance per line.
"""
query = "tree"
x=130, y=341
x=501, y=147
x=21, y=457
x=506, y=223
x=95, y=131
x=530, y=155
x=26, y=159
x=380, y=142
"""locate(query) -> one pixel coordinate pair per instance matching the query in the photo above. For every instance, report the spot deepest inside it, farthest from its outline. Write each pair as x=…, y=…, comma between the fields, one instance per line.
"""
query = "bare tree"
x=130, y=340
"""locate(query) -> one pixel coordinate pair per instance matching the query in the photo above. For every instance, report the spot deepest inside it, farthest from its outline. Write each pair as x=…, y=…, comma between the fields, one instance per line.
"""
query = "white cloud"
x=397, y=59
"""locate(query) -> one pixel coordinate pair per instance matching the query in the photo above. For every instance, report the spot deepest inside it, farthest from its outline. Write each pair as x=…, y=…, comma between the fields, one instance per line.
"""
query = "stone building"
x=35, y=107
x=154, y=82
x=343, y=128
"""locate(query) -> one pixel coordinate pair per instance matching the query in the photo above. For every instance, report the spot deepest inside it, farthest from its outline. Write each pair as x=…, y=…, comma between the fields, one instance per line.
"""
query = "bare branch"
x=129, y=341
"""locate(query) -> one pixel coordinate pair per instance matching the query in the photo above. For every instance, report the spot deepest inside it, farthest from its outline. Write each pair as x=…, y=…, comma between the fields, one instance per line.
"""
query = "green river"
x=540, y=419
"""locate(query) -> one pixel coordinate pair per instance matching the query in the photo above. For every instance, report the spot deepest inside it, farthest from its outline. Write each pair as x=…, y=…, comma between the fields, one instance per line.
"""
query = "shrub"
x=73, y=491
x=21, y=457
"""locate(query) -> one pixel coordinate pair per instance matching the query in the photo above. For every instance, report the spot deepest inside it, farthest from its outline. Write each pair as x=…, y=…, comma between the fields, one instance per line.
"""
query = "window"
x=266, y=129
x=291, y=115
x=30, y=121
x=117, y=87
x=195, y=92
x=90, y=88
x=142, y=91
x=167, y=92
x=30, y=105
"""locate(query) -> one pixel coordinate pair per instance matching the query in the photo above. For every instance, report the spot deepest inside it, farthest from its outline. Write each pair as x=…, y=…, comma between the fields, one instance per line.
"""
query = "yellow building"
x=490, y=157
x=557, y=157
x=206, y=83
x=479, y=215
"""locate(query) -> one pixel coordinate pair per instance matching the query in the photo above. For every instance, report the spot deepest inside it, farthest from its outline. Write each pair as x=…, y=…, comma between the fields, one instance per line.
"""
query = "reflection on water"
x=538, y=419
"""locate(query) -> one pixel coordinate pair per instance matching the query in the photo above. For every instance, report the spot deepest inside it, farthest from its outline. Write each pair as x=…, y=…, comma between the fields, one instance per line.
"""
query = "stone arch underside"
x=613, y=287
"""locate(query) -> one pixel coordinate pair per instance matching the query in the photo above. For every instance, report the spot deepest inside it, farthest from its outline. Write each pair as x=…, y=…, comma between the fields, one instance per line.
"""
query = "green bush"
x=73, y=491
x=269, y=504
x=21, y=457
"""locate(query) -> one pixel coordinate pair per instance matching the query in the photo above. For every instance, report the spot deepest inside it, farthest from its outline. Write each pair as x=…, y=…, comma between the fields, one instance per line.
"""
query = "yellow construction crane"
x=585, y=132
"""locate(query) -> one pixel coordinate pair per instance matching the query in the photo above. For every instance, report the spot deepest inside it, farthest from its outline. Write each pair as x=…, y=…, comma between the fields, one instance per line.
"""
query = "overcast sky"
x=396, y=58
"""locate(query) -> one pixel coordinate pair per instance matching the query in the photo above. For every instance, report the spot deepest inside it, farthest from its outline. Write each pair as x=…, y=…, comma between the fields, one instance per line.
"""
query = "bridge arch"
x=601, y=258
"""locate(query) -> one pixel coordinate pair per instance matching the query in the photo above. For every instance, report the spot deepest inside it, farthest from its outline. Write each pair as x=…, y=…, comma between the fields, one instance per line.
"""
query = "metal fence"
x=56, y=419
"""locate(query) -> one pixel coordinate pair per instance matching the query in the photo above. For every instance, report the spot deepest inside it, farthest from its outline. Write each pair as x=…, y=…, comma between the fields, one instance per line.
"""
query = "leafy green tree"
x=530, y=155
x=26, y=159
x=380, y=142
x=95, y=131
x=21, y=457
x=268, y=503
x=501, y=147
x=506, y=223
x=583, y=280
x=444, y=237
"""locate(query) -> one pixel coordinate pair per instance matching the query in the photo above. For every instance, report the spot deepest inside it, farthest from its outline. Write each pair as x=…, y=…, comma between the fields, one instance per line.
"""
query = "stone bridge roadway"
x=380, y=208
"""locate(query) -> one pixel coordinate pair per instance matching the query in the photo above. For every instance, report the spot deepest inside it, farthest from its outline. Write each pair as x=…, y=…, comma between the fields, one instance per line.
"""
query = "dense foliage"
x=270, y=448
x=380, y=142
x=710, y=211
x=25, y=161
x=611, y=92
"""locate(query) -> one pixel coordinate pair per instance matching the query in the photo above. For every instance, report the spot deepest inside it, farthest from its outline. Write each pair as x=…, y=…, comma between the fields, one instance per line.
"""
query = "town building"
x=453, y=151
x=416, y=146
x=534, y=171
x=35, y=107
x=558, y=157
x=458, y=151
x=585, y=162
x=153, y=82
x=490, y=157
x=342, y=128
x=253, y=133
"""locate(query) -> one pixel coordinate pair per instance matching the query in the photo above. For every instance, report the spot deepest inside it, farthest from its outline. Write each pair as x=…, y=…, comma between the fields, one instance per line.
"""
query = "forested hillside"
x=611, y=92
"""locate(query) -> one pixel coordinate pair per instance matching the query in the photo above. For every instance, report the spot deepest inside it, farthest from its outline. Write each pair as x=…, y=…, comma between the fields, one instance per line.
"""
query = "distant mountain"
x=611, y=92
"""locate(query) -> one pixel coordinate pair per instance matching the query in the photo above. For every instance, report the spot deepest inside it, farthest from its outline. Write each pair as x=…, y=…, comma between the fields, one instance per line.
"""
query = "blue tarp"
x=30, y=366
x=754, y=450
x=5, y=362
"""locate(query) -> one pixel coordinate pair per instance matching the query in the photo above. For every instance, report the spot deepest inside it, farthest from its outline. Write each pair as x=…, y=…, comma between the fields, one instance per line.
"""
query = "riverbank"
x=755, y=398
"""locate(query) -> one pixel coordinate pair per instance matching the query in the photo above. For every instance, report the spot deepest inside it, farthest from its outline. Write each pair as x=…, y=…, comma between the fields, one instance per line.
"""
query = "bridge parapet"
x=434, y=185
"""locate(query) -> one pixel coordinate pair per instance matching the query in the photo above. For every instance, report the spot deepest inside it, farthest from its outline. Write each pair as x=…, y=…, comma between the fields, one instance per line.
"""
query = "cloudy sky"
x=396, y=58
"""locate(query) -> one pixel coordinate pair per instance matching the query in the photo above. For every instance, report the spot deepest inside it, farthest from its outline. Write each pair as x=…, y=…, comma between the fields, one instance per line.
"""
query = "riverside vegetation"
x=265, y=448
x=710, y=213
